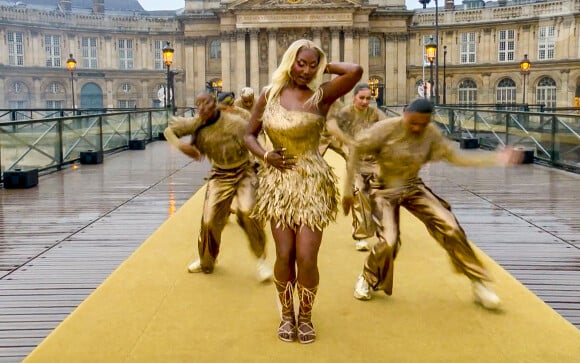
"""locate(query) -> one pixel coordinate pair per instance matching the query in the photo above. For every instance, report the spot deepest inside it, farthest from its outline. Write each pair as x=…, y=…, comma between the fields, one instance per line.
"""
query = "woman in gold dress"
x=297, y=189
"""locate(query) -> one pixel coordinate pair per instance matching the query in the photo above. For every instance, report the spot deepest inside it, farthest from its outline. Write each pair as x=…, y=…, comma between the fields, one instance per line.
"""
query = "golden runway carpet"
x=151, y=310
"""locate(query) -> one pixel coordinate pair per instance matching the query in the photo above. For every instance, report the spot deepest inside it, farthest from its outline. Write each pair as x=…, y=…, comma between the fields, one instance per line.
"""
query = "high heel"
x=306, y=295
x=287, y=327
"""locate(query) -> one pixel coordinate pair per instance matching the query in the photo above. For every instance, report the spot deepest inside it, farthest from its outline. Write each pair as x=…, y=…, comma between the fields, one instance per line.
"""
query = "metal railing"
x=51, y=143
x=553, y=137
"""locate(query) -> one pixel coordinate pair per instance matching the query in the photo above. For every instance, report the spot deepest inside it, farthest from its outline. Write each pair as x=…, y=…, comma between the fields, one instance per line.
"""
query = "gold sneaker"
x=485, y=296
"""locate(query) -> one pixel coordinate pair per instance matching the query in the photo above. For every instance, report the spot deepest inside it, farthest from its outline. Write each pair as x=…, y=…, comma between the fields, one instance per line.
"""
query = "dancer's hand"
x=347, y=202
x=190, y=151
x=279, y=160
x=510, y=156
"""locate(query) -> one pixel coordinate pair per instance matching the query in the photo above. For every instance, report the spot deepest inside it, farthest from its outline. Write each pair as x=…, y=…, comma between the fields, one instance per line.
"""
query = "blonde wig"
x=281, y=75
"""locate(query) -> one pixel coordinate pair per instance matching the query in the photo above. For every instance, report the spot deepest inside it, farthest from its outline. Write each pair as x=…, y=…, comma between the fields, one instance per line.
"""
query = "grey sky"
x=178, y=4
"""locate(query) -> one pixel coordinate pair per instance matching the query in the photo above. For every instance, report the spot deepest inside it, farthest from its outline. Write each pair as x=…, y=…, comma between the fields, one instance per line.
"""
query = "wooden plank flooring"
x=59, y=241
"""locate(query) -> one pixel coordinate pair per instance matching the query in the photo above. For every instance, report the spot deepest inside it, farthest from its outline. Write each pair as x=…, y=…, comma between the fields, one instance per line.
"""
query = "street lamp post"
x=444, y=80
x=431, y=51
x=217, y=87
x=168, y=60
x=71, y=64
x=374, y=87
x=525, y=71
x=436, y=58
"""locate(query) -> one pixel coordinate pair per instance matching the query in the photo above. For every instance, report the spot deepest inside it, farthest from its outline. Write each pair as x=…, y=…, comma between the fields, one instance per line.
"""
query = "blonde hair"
x=281, y=75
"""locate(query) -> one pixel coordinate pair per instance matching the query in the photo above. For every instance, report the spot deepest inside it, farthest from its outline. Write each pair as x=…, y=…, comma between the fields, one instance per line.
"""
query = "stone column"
x=200, y=62
x=36, y=101
x=401, y=68
x=107, y=60
x=335, y=45
x=226, y=65
x=316, y=36
x=146, y=61
x=37, y=59
x=254, y=62
x=348, y=45
x=364, y=53
x=563, y=96
x=240, y=60
x=109, y=94
x=191, y=87
x=390, y=54
x=272, y=56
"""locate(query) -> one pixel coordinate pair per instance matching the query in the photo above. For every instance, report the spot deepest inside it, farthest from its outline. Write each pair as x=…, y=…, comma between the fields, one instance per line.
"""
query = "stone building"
x=235, y=43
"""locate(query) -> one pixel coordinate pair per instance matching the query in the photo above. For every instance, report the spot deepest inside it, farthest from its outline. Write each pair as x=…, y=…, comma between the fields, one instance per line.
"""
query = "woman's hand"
x=510, y=156
x=279, y=160
x=190, y=151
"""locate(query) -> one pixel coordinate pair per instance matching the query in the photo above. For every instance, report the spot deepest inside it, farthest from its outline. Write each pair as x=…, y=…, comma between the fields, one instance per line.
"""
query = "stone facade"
x=239, y=42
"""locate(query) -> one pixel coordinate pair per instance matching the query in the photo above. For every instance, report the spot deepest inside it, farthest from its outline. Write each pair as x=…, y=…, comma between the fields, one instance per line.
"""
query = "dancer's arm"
x=179, y=127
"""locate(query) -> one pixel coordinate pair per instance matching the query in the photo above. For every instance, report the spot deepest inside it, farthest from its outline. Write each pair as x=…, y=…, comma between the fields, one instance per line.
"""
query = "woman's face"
x=305, y=66
x=206, y=106
x=362, y=98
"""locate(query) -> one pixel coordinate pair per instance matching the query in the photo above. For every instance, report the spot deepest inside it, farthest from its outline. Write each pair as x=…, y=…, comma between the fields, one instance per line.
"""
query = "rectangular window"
x=125, y=53
x=506, y=45
x=546, y=42
x=158, y=54
x=15, y=48
x=52, y=50
x=89, y=49
x=126, y=103
x=55, y=105
x=467, y=48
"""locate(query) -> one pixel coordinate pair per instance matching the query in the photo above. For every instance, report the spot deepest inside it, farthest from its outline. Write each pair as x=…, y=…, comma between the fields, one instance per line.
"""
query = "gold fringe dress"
x=306, y=195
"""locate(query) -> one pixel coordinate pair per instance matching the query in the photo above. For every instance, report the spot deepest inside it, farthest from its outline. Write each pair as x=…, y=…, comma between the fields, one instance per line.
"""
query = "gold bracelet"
x=266, y=156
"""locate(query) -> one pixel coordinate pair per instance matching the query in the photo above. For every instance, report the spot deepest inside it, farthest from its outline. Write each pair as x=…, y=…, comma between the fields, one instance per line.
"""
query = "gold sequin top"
x=222, y=142
x=400, y=155
x=306, y=194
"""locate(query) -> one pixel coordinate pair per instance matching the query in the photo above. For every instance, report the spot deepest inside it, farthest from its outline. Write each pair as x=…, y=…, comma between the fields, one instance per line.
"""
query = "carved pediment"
x=254, y=4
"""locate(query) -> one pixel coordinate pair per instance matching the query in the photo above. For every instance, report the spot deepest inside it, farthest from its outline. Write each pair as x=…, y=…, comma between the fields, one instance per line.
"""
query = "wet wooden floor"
x=60, y=240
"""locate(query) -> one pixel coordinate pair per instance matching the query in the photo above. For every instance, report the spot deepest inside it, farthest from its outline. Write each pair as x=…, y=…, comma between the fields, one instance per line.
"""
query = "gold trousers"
x=363, y=225
x=222, y=187
x=435, y=213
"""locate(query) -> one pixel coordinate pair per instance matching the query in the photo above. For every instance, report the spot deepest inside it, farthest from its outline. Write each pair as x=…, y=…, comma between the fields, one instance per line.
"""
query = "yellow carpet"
x=151, y=310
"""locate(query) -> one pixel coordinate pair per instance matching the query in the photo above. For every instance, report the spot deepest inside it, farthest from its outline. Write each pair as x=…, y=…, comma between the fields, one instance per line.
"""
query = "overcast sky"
x=178, y=4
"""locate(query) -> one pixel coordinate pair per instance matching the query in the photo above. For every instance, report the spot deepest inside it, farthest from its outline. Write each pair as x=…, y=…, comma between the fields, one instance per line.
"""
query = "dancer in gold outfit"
x=401, y=146
x=352, y=119
x=297, y=192
x=246, y=99
x=218, y=136
x=328, y=141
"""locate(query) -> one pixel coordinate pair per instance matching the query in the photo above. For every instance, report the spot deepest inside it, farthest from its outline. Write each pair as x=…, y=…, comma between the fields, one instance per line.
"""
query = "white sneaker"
x=485, y=296
x=195, y=266
x=361, y=245
x=263, y=271
x=362, y=289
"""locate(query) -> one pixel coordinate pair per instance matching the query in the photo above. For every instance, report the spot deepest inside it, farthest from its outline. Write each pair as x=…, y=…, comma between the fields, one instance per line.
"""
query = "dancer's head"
x=362, y=96
x=302, y=64
x=205, y=104
x=417, y=115
x=247, y=97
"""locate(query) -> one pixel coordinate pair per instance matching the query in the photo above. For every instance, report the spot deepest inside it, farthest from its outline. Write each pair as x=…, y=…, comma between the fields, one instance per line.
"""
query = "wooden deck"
x=60, y=240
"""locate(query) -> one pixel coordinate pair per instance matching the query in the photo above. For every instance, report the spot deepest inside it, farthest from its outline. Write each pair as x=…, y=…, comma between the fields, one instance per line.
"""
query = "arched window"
x=546, y=92
x=506, y=91
x=374, y=47
x=215, y=49
x=467, y=92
